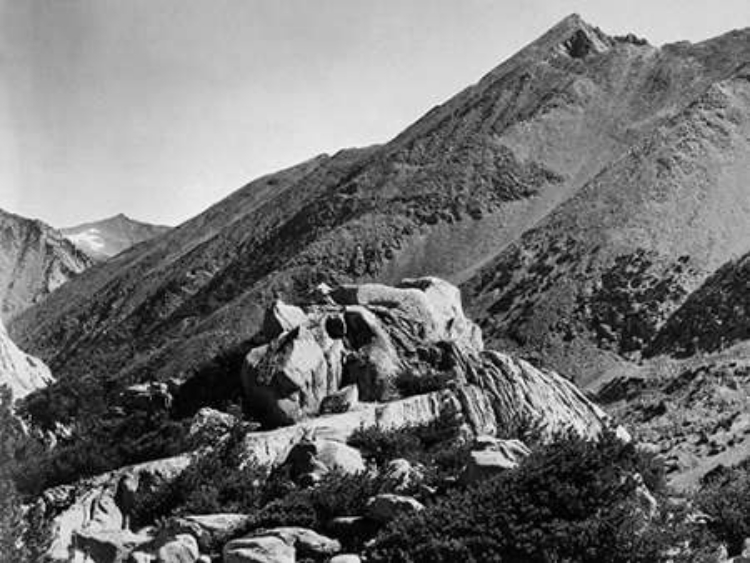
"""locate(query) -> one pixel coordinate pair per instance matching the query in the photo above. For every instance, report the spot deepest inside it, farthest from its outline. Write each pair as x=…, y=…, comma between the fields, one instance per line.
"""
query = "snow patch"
x=90, y=238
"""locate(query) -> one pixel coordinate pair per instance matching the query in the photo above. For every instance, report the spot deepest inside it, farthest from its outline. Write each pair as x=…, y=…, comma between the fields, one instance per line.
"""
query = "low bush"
x=411, y=383
x=415, y=443
x=101, y=445
x=574, y=500
x=725, y=498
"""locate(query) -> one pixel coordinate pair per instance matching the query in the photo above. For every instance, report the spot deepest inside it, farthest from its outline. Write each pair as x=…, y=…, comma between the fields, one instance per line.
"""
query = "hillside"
x=106, y=238
x=602, y=275
x=35, y=259
x=469, y=178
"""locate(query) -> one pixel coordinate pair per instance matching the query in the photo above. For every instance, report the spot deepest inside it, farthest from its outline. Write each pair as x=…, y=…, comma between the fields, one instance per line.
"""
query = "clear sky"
x=159, y=108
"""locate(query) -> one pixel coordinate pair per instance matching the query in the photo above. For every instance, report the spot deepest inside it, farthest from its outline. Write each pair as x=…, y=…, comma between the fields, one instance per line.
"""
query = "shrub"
x=410, y=383
x=410, y=442
x=214, y=483
x=21, y=538
x=100, y=445
x=382, y=446
x=570, y=501
x=725, y=497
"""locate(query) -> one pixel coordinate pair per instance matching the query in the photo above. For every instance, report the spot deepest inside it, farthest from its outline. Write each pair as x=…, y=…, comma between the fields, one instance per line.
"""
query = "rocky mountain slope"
x=35, y=259
x=601, y=276
x=103, y=239
x=582, y=156
x=20, y=372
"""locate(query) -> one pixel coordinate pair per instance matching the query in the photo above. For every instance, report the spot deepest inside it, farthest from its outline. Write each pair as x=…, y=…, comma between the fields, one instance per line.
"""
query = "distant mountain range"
x=108, y=237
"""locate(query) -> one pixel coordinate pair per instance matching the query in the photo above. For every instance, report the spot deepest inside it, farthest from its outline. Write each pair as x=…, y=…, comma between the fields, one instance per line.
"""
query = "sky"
x=159, y=108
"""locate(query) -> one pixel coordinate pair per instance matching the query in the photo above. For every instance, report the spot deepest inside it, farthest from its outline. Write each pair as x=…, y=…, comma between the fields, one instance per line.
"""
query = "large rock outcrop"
x=375, y=336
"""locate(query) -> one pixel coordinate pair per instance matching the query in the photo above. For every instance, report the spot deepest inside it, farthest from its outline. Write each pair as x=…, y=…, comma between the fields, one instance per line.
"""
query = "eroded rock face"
x=19, y=371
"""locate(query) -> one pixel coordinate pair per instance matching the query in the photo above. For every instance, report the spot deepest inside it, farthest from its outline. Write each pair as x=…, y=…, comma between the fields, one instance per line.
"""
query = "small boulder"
x=208, y=529
x=491, y=457
x=386, y=507
x=346, y=558
x=309, y=460
x=182, y=548
x=341, y=401
x=260, y=549
x=306, y=542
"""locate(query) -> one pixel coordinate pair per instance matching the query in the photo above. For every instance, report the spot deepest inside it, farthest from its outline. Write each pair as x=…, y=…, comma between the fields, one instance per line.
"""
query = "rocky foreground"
x=354, y=358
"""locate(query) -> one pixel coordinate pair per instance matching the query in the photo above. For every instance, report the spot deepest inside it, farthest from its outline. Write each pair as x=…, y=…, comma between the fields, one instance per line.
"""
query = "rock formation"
x=373, y=336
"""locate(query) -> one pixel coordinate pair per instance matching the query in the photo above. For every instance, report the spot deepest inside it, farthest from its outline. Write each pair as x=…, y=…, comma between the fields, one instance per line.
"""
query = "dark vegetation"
x=21, y=537
x=713, y=317
x=572, y=500
x=104, y=436
x=97, y=446
x=725, y=497
x=636, y=295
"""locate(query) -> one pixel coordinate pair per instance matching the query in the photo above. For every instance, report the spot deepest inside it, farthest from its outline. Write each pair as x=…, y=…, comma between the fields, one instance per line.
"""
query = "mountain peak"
x=574, y=37
x=108, y=237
